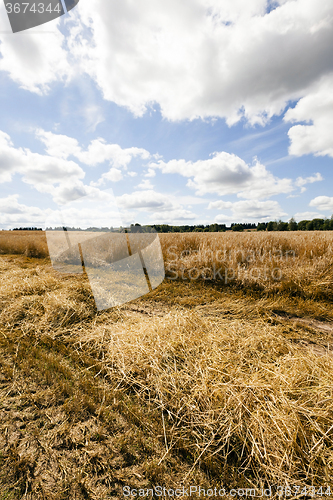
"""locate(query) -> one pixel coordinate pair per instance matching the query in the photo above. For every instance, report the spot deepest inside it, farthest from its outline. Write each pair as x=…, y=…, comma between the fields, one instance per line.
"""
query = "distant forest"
x=292, y=225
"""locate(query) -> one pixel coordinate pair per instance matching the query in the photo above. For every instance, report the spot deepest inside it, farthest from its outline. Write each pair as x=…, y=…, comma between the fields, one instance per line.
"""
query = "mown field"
x=220, y=377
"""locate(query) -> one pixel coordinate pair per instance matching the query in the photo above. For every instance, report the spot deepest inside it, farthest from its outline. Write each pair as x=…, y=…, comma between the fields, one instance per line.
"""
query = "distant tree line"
x=292, y=225
x=27, y=229
x=198, y=228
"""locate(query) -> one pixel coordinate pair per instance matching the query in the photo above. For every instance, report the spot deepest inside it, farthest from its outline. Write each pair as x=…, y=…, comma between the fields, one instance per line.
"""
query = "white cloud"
x=150, y=173
x=11, y=159
x=98, y=151
x=248, y=210
x=94, y=208
x=162, y=207
x=58, y=145
x=220, y=205
x=195, y=58
x=223, y=218
x=317, y=110
x=147, y=200
x=145, y=184
x=189, y=200
x=41, y=171
x=307, y=216
x=206, y=57
x=227, y=174
x=15, y=214
x=324, y=203
x=113, y=175
x=301, y=181
x=70, y=191
x=174, y=216
x=33, y=59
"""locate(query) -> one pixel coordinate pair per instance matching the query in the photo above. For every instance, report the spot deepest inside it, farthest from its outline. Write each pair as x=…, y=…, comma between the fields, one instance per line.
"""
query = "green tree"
x=302, y=225
x=326, y=225
x=292, y=225
x=272, y=226
x=282, y=226
x=318, y=224
x=237, y=227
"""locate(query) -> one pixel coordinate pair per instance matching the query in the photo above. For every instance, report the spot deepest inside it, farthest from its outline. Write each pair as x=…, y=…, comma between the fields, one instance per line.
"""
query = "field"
x=221, y=377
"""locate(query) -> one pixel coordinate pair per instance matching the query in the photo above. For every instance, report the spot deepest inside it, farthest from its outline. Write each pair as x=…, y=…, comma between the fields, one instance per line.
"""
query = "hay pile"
x=231, y=399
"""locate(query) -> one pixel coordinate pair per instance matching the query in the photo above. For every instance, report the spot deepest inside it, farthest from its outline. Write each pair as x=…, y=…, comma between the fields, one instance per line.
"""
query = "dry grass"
x=29, y=243
x=196, y=383
x=298, y=263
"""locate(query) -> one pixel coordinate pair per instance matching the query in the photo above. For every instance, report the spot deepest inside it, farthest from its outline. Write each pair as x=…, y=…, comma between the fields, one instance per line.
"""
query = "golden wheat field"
x=221, y=377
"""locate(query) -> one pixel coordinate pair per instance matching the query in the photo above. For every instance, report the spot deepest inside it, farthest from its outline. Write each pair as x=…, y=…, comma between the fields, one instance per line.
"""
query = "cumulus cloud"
x=162, y=208
x=98, y=151
x=33, y=59
x=11, y=159
x=150, y=173
x=93, y=209
x=225, y=174
x=148, y=200
x=248, y=210
x=307, y=216
x=57, y=176
x=205, y=57
x=13, y=213
x=220, y=205
x=58, y=145
x=324, y=203
x=301, y=181
x=113, y=175
x=145, y=184
x=174, y=216
x=315, y=109
x=41, y=171
x=195, y=58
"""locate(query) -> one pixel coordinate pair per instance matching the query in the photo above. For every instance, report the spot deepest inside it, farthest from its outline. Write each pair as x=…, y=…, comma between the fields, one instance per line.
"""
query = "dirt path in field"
x=320, y=326
x=320, y=348
x=148, y=309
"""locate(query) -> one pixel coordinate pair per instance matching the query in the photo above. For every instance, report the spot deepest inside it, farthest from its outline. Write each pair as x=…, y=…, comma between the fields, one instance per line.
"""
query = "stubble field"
x=220, y=377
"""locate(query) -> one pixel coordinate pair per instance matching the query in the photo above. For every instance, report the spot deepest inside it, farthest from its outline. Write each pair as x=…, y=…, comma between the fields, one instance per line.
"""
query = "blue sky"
x=194, y=112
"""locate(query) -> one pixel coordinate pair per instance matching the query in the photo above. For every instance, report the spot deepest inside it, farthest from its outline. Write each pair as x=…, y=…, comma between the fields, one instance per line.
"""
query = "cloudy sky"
x=192, y=111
